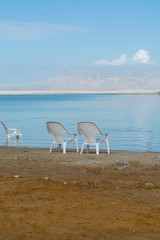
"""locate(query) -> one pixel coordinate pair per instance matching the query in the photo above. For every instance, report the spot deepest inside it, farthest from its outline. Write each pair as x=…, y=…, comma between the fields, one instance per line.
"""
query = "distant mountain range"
x=89, y=83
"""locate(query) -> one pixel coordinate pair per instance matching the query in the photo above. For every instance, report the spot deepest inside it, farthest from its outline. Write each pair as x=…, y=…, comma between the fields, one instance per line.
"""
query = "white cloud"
x=142, y=56
x=114, y=62
x=32, y=31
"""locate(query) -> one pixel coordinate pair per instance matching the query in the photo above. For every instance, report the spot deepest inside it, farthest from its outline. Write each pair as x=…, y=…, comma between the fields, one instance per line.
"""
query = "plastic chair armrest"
x=12, y=129
x=106, y=134
x=75, y=134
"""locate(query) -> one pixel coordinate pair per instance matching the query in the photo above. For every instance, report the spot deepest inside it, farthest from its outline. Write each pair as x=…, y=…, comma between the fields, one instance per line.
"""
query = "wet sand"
x=55, y=196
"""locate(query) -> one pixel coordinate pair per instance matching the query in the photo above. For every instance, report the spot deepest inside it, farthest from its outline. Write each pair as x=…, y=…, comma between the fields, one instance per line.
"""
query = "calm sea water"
x=132, y=121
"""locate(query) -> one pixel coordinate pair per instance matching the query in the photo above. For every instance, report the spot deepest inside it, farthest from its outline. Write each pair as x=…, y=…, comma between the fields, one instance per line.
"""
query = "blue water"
x=132, y=121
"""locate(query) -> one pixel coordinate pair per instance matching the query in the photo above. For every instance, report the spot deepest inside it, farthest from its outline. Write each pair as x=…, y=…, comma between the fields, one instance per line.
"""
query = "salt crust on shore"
x=78, y=92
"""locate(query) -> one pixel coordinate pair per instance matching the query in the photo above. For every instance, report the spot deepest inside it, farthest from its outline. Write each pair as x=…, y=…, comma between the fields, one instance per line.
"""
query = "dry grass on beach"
x=55, y=196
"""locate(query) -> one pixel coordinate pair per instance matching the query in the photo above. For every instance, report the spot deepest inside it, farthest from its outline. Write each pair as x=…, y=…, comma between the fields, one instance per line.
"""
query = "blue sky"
x=47, y=40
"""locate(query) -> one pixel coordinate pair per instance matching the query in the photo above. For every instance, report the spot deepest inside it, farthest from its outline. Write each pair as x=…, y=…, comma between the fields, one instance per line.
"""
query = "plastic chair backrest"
x=5, y=127
x=57, y=130
x=88, y=130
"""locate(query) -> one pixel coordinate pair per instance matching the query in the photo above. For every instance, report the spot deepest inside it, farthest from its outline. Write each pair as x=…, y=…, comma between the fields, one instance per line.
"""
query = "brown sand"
x=55, y=196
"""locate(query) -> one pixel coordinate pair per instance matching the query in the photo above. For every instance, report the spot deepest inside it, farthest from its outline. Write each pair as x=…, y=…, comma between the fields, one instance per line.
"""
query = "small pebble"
x=134, y=161
x=16, y=176
x=149, y=185
x=64, y=182
x=46, y=178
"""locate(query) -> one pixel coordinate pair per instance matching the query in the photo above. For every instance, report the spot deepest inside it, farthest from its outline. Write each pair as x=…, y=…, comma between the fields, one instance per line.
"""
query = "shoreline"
x=72, y=158
x=121, y=92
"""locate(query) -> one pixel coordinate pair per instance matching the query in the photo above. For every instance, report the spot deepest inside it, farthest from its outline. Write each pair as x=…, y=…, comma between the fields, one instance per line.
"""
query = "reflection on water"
x=132, y=121
x=13, y=141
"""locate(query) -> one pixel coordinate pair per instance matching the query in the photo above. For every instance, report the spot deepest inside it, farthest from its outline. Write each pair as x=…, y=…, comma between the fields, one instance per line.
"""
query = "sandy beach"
x=73, y=196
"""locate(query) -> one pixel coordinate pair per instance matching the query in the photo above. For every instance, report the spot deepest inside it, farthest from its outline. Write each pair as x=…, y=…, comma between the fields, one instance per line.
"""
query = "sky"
x=79, y=45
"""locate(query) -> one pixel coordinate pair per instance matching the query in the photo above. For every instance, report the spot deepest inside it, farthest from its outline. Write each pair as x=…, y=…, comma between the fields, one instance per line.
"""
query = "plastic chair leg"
x=77, y=145
x=82, y=149
x=97, y=148
x=64, y=148
x=51, y=148
x=59, y=147
x=88, y=148
x=107, y=142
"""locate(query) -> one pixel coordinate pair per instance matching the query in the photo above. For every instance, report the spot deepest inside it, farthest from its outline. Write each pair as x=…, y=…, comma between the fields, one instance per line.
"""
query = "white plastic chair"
x=11, y=132
x=57, y=130
x=89, y=131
